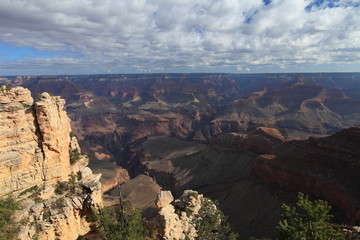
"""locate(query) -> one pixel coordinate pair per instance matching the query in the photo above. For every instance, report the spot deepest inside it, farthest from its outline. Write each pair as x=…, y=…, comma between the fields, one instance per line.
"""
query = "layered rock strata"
x=63, y=215
x=324, y=167
x=34, y=140
x=42, y=166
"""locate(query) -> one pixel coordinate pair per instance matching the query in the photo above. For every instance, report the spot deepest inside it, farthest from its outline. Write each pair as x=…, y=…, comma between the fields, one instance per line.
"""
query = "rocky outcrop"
x=164, y=199
x=54, y=131
x=113, y=180
x=353, y=233
x=34, y=140
x=63, y=215
x=263, y=140
x=178, y=225
x=42, y=165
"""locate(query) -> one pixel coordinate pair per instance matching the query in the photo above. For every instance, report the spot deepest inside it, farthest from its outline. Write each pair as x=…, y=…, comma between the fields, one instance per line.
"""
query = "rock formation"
x=324, y=167
x=39, y=157
x=34, y=140
x=353, y=233
x=178, y=225
x=260, y=141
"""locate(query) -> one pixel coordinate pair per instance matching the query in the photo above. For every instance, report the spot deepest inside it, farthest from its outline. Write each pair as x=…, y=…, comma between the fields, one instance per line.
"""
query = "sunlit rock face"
x=34, y=140
x=178, y=226
x=35, y=146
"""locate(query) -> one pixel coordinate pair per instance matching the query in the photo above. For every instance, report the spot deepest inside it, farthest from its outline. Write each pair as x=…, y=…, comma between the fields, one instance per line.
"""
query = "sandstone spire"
x=35, y=147
x=34, y=140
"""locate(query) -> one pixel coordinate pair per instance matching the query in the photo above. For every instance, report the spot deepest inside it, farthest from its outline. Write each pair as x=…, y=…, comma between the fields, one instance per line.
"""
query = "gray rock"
x=164, y=198
x=37, y=207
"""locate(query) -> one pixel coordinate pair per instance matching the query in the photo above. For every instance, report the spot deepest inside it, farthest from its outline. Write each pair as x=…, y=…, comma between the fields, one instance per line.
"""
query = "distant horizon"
x=188, y=73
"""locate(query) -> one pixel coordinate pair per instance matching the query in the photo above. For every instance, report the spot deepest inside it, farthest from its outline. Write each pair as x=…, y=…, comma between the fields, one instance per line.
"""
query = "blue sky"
x=10, y=52
x=239, y=36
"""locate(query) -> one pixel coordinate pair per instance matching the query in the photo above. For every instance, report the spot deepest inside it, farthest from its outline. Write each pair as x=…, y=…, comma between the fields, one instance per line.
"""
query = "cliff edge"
x=41, y=165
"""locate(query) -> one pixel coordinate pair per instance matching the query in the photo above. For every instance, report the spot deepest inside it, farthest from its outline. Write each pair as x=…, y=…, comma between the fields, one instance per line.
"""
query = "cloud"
x=141, y=35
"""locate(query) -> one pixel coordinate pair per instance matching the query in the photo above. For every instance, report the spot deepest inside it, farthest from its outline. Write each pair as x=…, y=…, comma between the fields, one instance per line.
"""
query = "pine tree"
x=309, y=220
x=211, y=223
x=124, y=223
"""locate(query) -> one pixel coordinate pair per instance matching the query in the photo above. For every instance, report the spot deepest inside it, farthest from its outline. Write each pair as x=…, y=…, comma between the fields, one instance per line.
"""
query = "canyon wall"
x=323, y=167
x=34, y=140
x=42, y=166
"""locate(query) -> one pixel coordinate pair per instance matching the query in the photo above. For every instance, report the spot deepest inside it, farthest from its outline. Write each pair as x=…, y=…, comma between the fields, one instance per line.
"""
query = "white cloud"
x=170, y=34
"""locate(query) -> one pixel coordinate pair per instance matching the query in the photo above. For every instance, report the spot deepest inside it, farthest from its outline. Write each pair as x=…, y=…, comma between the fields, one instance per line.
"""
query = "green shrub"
x=308, y=220
x=79, y=175
x=47, y=216
x=25, y=105
x=74, y=156
x=8, y=227
x=39, y=97
x=73, y=184
x=188, y=211
x=60, y=188
x=193, y=194
x=211, y=224
x=33, y=189
x=125, y=223
x=178, y=212
x=59, y=203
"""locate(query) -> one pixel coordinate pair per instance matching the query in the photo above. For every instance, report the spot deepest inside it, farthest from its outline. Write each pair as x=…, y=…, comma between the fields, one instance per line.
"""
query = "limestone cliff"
x=191, y=216
x=34, y=140
x=178, y=226
x=42, y=165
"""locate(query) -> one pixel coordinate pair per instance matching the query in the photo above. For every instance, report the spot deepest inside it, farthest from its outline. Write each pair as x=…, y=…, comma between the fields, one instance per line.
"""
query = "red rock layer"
x=326, y=167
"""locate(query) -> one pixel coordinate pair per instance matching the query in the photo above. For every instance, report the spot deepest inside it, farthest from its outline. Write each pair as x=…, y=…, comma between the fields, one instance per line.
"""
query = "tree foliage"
x=124, y=223
x=8, y=227
x=308, y=220
x=75, y=156
x=211, y=223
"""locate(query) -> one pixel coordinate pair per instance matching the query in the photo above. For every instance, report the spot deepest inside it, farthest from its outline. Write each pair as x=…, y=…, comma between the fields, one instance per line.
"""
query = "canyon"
x=250, y=141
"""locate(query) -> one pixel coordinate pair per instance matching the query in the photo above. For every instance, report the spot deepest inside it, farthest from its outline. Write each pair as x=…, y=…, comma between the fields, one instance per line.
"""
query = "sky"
x=41, y=37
